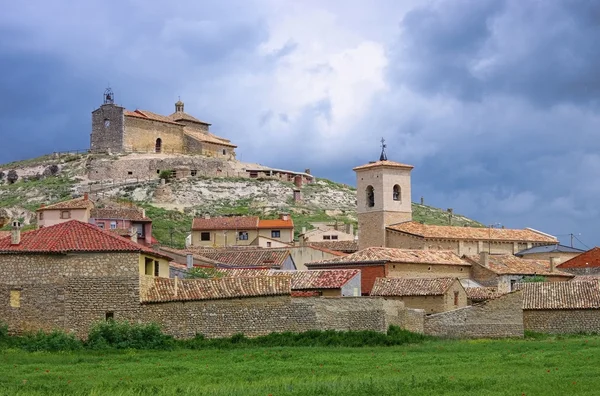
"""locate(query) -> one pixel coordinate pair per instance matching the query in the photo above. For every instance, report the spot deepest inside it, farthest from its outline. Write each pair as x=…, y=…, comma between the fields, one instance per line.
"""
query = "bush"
x=2, y=175
x=166, y=174
x=12, y=176
x=51, y=170
x=203, y=273
x=125, y=335
x=51, y=342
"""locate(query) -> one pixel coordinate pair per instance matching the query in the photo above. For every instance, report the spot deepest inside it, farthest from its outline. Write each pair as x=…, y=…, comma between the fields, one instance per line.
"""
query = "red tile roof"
x=302, y=280
x=507, y=264
x=471, y=233
x=561, y=295
x=148, y=115
x=388, y=164
x=277, y=223
x=166, y=290
x=339, y=246
x=399, y=287
x=203, y=136
x=269, y=258
x=589, y=259
x=77, y=203
x=225, y=223
x=478, y=294
x=182, y=115
x=4, y=234
x=118, y=214
x=385, y=255
x=72, y=237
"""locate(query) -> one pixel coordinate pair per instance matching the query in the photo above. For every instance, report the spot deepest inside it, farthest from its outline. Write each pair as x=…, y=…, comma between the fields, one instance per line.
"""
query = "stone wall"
x=411, y=320
x=562, y=321
x=141, y=135
x=497, y=318
x=107, y=128
x=263, y=315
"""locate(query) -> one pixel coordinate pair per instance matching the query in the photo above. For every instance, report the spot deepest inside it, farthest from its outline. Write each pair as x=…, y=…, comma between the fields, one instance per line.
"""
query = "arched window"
x=158, y=146
x=370, y=197
x=397, y=193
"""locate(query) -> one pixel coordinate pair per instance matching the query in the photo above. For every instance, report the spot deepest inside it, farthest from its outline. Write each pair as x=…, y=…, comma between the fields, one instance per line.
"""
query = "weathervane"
x=383, y=156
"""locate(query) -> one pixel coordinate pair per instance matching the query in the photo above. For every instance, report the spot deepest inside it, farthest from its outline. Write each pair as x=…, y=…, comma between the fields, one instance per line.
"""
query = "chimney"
x=553, y=263
x=16, y=233
x=189, y=261
x=284, y=216
x=133, y=234
x=303, y=230
x=143, y=212
x=86, y=196
x=206, y=216
x=350, y=229
x=484, y=259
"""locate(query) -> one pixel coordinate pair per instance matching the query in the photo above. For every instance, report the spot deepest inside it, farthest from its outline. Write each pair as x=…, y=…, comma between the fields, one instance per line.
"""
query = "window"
x=243, y=235
x=268, y=244
x=275, y=234
x=370, y=196
x=65, y=214
x=224, y=151
x=334, y=237
x=158, y=146
x=113, y=225
x=101, y=225
x=428, y=268
x=106, y=123
x=41, y=216
x=148, y=266
x=193, y=172
x=512, y=284
x=397, y=193
x=15, y=298
x=158, y=171
x=455, y=298
x=110, y=315
x=205, y=236
x=130, y=173
x=326, y=237
x=156, y=268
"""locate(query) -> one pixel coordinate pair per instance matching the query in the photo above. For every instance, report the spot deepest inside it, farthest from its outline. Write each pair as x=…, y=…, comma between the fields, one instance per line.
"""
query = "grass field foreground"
x=482, y=367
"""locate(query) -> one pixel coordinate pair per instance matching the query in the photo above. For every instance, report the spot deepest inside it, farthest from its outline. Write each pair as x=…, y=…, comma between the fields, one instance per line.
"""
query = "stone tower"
x=383, y=198
x=107, y=125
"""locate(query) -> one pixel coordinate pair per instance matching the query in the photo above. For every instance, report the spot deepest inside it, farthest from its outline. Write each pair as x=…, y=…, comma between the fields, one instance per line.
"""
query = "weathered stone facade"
x=108, y=128
x=562, y=321
x=497, y=318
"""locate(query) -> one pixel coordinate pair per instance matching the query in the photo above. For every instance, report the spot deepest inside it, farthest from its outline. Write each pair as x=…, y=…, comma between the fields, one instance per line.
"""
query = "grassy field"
x=508, y=367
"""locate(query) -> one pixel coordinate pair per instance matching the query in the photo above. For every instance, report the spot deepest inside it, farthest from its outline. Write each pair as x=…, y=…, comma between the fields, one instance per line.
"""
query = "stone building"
x=505, y=271
x=587, y=263
x=124, y=219
x=320, y=235
x=377, y=262
x=432, y=295
x=117, y=130
x=240, y=230
x=564, y=307
x=61, y=212
x=385, y=218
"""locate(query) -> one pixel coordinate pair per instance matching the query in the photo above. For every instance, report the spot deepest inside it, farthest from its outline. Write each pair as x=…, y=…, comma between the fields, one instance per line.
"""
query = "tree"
x=12, y=176
x=203, y=273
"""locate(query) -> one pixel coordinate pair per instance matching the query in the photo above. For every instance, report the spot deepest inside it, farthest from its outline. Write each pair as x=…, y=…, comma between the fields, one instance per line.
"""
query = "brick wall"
x=497, y=318
x=562, y=321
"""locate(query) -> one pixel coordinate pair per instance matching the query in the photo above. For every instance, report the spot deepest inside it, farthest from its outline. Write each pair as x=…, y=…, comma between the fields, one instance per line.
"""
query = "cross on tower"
x=383, y=156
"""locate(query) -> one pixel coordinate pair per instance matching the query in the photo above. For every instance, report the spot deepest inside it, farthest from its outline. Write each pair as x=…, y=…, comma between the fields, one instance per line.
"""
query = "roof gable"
x=400, y=287
x=507, y=264
x=148, y=115
x=240, y=223
x=183, y=116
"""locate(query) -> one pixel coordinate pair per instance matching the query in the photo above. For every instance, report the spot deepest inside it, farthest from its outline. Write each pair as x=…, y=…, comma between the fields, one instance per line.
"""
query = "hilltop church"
x=118, y=130
x=385, y=218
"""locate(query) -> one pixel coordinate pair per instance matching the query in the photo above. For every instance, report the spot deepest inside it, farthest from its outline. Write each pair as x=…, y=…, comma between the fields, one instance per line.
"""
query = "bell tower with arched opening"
x=108, y=125
x=383, y=198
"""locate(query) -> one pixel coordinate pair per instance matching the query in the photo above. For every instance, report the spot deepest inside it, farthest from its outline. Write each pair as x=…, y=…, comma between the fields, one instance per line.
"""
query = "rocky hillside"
x=25, y=185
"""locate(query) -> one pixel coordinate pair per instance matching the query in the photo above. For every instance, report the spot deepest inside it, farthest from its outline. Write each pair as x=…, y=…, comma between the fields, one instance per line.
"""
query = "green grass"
x=52, y=188
x=548, y=366
x=169, y=227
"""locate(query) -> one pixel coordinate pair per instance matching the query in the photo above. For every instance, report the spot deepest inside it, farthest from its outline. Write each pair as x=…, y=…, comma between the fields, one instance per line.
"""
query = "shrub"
x=2, y=175
x=534, y=278
x=166, y=174
x=51, y=342
x=12, y=176
x=203, y=273
x=51, y=170
x=125, y=335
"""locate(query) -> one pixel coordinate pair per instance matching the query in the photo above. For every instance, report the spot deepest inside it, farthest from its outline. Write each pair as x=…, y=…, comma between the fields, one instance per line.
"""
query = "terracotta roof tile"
x=471, y=233
x=77, y=203
x=478, y=294
x=277, y=223
x=4, y=234
x=225, y=223
x=507, y=264
x=411, y=287
x=390, y=164
x=269, y=258
x=148, y=115
x=302, y=280
x=385, y=255
x=203, y=136
x=589, y=259
x=72, y=237
x=118, y=214
x=165, y=290
x=561, y=295
x=340, y=246
x=182, y=115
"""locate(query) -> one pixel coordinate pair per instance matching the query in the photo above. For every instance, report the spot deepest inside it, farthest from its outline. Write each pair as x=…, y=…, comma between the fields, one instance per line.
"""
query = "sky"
x=495, y=102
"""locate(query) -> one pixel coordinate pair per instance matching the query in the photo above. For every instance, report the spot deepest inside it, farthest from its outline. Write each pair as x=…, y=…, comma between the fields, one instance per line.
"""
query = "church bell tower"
x=383, y=198
x=108, y=125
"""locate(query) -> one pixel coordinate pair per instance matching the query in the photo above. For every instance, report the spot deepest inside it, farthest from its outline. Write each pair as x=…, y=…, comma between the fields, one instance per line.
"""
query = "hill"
x=172, y=206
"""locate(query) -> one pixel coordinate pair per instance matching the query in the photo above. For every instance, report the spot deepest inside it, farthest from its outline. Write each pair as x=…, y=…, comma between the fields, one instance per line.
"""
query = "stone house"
x=72, y=274
x=320, y=235
x=397, y=263
x=117, y=130
x=587, y=263
x=504, y=271
x=325, y=283
x=124, y=219
x=74, y=209
x=298, y=178
x=562, y=307
x=433, y=295
x=385, y=218
x=240, y=230
x=561, y=253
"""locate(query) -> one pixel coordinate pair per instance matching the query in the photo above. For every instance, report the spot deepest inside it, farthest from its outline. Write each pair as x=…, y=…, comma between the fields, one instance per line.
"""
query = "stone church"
x=118, y=130
x=385, y=218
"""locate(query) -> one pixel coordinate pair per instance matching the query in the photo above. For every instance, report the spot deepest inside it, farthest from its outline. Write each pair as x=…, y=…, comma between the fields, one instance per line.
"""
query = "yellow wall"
x=287, y=235
x=163, y=269
x=52, y=217
x=218, y=238
x=142, y=134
